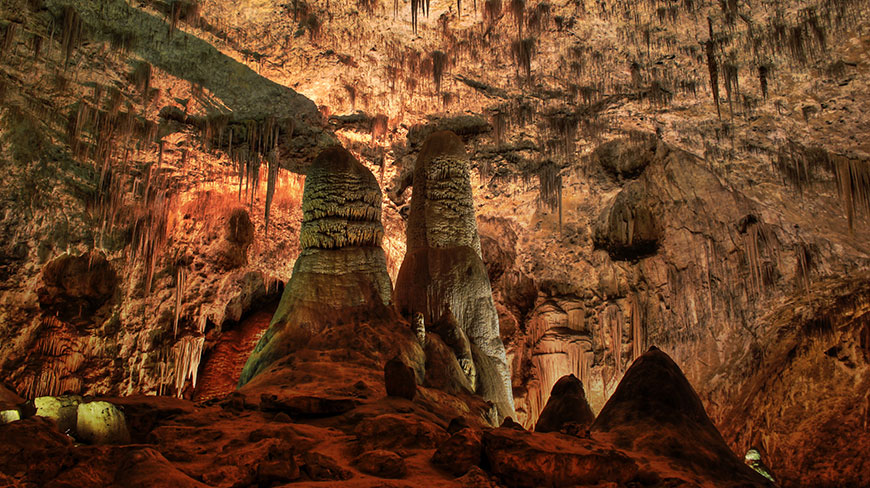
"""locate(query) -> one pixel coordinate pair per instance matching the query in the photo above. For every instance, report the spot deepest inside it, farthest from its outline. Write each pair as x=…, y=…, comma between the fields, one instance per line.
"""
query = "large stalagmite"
x=443, y=276
x=655, y=410
x=342, y=271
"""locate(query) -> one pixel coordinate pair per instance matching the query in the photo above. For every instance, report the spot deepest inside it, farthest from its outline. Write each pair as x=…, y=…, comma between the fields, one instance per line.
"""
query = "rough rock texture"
x=443, y=276
x=101, y=423
x=524, y=459
x=458, y=454
x=341, y=273
x=567, y=404
x=628, y=229
x=383, y=464
x=76, y=285
x=655, y=410
x=399, y=379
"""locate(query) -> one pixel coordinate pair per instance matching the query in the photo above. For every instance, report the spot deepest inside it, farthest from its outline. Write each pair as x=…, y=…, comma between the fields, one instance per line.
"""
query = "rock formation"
x=341, y=273
x=567, y=405
x=655, y=410
x=443, y=276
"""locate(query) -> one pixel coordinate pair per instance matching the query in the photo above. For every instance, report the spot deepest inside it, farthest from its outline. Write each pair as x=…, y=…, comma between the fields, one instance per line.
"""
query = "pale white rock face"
x=101, y=423
x=7, y=416
x=62, y=409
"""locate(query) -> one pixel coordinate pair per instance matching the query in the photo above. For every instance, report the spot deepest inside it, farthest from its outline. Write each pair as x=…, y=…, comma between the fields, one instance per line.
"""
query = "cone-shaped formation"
x=443, y=276
x=342, y=271
x=567, y=405
x=656, y=411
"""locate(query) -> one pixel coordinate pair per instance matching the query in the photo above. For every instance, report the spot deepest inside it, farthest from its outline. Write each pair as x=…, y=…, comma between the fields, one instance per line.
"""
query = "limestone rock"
x=231, y=251
x=567, y=404
x=277, y=471
x=460, y=452
x=443, y=274
x=395, y=431
x=399, y=379
x=628, y=229
x=307, y=405
x=101, y=423
x=80, y=283
x=381, y=463
x=625, y=158
x=341, y=275
x=63, y=410
x=7, y=416
x=655, y=411
x=524, y=459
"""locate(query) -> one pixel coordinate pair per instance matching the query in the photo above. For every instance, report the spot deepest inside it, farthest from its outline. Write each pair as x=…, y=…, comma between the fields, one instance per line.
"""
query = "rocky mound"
x=567, y=405
x=655, y=411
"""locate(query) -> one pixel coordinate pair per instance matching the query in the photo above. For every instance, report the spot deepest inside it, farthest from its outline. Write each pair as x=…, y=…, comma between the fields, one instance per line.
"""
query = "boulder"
x=381, y=463
x=399, y=379
x=101, y=423
x=567, y=405
x=277, y=472
x=63, y=410
x=459, y=453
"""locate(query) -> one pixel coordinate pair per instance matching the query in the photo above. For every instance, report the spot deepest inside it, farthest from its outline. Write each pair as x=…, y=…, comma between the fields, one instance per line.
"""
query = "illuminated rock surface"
x=689, y=174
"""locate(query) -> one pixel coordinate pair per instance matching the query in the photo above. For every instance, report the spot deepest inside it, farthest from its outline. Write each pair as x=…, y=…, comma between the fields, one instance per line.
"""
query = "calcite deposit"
x=432, y=216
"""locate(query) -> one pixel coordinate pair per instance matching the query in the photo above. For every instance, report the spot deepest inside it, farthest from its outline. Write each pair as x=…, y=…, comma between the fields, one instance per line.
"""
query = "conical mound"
x=655, y=411
x=567, y=405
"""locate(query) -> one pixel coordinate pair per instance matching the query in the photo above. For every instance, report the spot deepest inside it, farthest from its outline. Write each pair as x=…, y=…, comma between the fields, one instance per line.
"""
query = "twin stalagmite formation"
x=341, y=275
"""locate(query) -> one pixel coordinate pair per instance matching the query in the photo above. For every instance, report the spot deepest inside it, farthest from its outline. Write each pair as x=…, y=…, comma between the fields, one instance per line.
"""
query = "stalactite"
x=713, y=69
x=439, y=64
x=72, y=32
x=550, y=180
x=518, y=10
x=271, y=184
x=180, y=279
x=7, y=40
x=492, y=11
x=552, y=359
x=759, y=242
x=523, y=50
x=805, y=262
x=57, y=355
x=187, y=354
x=638, y=328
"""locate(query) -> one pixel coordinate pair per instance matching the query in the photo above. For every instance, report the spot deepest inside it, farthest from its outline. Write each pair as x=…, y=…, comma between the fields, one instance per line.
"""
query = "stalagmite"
x=341, y=274
x=443, y=274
